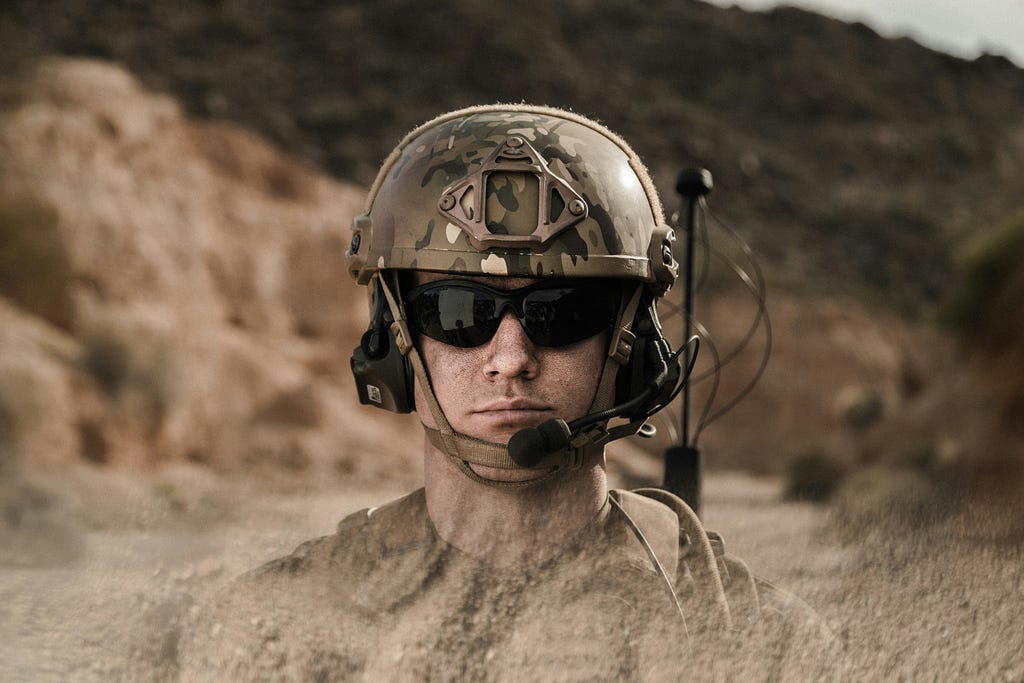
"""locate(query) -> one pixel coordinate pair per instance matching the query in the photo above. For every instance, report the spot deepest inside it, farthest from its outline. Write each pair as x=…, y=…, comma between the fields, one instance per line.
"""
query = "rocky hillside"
x=854, y=164
x=177, y=274
x=173, y=290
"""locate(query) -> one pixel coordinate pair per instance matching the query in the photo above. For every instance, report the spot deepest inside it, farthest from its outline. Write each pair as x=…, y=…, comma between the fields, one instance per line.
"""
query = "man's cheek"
x=423, y=407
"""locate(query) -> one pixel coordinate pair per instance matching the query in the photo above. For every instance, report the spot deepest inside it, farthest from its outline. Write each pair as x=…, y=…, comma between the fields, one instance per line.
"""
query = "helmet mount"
x=511, y=192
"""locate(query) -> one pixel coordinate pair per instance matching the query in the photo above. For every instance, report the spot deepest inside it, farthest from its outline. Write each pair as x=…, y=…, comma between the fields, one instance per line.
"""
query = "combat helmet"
x=508, y=190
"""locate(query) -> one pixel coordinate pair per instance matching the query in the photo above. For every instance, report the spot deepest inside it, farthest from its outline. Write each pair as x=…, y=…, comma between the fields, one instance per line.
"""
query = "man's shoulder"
x=360, y=541
x=328, y=590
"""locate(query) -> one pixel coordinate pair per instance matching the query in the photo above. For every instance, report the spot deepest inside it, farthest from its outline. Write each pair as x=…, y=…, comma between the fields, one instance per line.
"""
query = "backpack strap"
x=698, y=580
x=739, y=583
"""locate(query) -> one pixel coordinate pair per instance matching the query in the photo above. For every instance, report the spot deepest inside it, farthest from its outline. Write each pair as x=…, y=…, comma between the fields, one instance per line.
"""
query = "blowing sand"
x=134, y=556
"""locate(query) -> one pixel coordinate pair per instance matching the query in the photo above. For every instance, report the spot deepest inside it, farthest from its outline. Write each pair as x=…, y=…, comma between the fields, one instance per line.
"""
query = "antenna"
x=684, y=463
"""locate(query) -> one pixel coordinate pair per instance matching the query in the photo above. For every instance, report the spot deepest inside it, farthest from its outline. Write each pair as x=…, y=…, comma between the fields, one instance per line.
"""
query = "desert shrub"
x=922, y=456
x=982, y=306
x=297, y=408
x=896, y=498
x=92, y=442
x=107, y=359
x=133, y=367
x=988, y=313
x=34, y=269
x=944, y=475
x=862, y=408
x=813, y=476
x=881, y=498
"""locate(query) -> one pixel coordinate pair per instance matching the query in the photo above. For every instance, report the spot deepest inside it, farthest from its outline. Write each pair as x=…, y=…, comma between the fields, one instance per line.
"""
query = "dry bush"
x=297, y=408
x=813, y=476
x=900, y=498
x=861, y=407
x=989, y=298
x=135, y=369
x=988, y=312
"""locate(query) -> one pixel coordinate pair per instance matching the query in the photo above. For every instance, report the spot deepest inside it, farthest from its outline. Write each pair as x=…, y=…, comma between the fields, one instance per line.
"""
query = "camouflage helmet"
x=514, y=190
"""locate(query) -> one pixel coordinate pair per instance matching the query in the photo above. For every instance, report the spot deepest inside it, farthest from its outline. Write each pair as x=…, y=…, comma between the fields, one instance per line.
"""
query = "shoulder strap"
x=739, y=583
x=698, y=564
x=656, y=524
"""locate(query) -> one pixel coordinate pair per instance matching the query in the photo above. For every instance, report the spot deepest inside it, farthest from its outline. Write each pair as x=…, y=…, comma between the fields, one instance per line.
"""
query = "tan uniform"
x=386, y=599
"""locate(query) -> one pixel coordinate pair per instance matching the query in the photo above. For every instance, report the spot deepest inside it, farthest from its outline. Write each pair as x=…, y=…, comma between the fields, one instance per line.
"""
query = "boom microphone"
x=531, y=446
x=542, y=446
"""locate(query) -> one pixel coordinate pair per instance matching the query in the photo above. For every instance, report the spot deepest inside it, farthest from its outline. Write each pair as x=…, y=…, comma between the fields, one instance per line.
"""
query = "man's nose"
x=510, y=351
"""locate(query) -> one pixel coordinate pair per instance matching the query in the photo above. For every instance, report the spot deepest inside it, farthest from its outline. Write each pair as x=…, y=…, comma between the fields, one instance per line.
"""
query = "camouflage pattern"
x=586, y=208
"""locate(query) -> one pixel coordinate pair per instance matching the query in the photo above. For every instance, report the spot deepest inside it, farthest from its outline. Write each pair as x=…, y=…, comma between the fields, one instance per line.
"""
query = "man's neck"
x=512, y=526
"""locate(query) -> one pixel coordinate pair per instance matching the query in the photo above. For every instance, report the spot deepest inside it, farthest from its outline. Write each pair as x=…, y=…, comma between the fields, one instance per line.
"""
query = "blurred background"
x=176, y=187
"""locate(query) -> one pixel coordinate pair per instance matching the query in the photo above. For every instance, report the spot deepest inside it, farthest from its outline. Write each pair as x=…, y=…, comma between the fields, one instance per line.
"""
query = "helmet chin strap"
x=464, y=450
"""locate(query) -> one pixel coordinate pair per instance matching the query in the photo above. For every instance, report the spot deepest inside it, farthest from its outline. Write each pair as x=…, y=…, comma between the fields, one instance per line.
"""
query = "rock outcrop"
x=173, y=289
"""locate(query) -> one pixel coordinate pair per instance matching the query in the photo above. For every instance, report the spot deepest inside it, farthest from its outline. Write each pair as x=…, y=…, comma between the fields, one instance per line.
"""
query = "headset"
x=649, y=380
x=383, y=375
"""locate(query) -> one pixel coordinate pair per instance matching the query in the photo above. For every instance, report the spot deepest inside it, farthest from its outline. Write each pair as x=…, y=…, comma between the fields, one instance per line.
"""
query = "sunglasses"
x=465, y=314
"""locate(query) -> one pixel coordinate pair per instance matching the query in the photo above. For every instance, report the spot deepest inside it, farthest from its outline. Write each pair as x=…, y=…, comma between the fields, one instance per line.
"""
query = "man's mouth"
x=514, y=411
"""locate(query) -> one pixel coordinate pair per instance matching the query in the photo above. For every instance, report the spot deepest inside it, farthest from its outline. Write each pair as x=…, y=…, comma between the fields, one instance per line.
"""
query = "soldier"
x=514, y=256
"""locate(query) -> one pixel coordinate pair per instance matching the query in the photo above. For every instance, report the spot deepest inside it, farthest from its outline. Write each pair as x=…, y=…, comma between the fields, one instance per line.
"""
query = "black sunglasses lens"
x=456, y=315
x=565, y=315
x=465, y=314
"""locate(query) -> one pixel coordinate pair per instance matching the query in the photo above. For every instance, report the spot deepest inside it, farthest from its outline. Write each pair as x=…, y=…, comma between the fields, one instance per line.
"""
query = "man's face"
x=509, y=383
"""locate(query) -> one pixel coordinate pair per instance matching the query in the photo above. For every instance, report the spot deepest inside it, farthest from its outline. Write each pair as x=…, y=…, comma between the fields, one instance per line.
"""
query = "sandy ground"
x=133, y=555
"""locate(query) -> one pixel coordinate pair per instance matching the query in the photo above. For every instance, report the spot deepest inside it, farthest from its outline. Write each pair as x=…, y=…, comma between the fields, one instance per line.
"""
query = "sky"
x=965, y=28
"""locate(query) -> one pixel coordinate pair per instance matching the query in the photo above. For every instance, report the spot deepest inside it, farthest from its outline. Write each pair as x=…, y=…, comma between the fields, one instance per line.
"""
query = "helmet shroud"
x=571, y=200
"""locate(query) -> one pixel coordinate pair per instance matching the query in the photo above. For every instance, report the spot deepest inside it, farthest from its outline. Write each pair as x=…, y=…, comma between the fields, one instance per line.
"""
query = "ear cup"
x=651, y=356
x=383, y=376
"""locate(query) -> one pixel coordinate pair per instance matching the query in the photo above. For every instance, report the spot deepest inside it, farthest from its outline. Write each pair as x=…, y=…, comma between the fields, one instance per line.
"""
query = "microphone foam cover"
x=528, y=447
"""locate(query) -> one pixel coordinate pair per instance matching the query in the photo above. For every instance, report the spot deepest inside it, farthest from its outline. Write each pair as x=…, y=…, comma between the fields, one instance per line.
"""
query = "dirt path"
x=923, y=611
